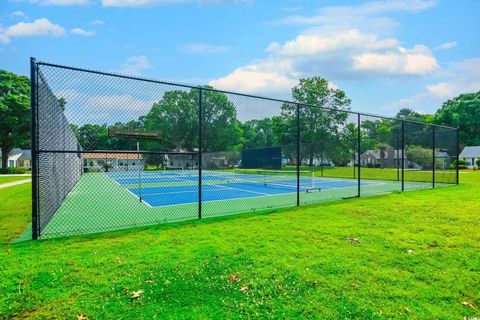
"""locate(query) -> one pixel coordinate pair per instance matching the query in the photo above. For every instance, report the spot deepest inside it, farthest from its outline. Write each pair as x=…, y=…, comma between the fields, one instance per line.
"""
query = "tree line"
x=325, y=133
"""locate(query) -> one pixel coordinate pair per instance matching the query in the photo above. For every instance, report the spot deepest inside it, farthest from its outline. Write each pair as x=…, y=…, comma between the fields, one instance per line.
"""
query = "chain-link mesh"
x=113, y=151
x=381, y=155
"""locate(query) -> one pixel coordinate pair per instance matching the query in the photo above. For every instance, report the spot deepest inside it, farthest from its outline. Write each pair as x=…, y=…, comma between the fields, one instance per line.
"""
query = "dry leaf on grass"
x=136, y=294
x=71, y=263
x=353, y=240
x=233, y=278
x=81, y=316
x=244, y=288
x=468, y=305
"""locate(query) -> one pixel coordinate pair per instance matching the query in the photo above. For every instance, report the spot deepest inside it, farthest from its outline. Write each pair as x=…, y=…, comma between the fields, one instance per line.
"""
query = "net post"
x=34, y=146
x=433, y=156
x=298, y=154
x=200, y=145
x=358, y=152
x=458, y=156
x=403, y=155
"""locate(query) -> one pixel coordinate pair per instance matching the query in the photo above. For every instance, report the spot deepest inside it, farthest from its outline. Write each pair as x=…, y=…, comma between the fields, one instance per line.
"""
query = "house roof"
x=376, y=153
x=26, y=155
x=470, y=152
x=106, y=155
x=19, y=154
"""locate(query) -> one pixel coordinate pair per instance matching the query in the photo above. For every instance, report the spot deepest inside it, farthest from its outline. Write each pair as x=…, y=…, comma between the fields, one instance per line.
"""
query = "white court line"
x=148, y=204
x=196, y=191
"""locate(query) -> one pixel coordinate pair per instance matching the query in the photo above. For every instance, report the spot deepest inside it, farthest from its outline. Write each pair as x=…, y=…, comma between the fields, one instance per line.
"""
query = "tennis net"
x=274, y=178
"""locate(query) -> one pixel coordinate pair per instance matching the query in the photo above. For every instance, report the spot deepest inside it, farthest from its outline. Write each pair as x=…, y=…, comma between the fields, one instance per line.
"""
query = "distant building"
x=97, y=161
x=471, y=154
x=393, y=158
x=18, y=158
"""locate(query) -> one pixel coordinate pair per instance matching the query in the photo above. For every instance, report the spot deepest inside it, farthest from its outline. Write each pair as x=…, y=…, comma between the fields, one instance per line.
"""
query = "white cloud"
x=98, y=22
x=268, y=76
x=60, y=2
x=350, y=14
x=140, y=3
x=135, y=65
x=291, y=9
x=18, y=14
x=336, y=55
x=37, y=28
x=199, y=48
x=82, y=32
x=401, y=61
x=460, y=77
x=447, y=45
x=342, y=43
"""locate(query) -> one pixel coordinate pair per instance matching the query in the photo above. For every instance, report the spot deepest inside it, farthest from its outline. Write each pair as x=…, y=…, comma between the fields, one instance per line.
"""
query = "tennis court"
x=180, y=186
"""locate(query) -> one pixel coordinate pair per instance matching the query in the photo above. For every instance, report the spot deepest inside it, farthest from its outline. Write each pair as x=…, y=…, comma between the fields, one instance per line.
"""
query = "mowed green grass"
x=7, y=179
x=417, y=257
x=15, y=211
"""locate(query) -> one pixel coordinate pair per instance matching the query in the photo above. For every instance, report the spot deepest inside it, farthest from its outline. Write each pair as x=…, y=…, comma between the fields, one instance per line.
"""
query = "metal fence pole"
x=358, y=152
x=403, y=155
x=458, y=156
x=33, y=113
x=200, y=146
x=433, y=157
x=398, y=158
x=298, y=155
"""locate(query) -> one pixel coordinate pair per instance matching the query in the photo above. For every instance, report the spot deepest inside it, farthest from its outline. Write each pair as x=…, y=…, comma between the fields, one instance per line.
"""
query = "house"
x=184, y=161
x=18, y=158
x=98, y=161
x=393, y=159
x=471, y=154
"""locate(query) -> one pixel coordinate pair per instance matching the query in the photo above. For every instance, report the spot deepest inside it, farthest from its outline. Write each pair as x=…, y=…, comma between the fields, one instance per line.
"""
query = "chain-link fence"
x=113, y=151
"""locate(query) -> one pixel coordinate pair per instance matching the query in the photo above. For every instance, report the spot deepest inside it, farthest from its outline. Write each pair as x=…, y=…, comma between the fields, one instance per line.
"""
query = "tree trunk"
x=5, y=152
x=310, y=160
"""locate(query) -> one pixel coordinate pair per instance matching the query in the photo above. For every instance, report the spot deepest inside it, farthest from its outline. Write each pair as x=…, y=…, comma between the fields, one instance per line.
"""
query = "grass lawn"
x=412, y=255
x=12, y=179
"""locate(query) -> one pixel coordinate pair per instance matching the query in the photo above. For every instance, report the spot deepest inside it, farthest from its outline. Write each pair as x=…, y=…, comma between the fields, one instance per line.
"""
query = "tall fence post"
x=403, y=155
x=358, y=152
x=200, y=146
x=298, y=155
x=33, y=113
x=458, y=156
x=433, y=157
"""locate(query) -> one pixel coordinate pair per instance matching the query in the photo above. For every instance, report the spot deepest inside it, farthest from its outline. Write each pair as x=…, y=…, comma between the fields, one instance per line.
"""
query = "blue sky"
x=384, y=54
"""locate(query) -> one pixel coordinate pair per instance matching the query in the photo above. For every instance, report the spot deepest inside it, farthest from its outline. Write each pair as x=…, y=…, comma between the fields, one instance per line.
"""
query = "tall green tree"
x=320, y=127
x=257, y=133
x=14, y=113
x=176, y=118
x=222, y=130
x=462, y=112
x=409, y=114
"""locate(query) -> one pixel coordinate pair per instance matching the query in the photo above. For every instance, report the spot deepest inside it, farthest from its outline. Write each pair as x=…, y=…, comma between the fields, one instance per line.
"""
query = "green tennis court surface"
x=111, y=201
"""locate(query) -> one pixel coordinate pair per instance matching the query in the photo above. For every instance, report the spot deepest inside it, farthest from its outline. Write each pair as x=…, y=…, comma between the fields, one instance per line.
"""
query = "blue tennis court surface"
x=172, y=188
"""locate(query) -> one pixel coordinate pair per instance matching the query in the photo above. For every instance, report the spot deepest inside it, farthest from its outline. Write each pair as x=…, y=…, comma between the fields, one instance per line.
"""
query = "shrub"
x=18, y=170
